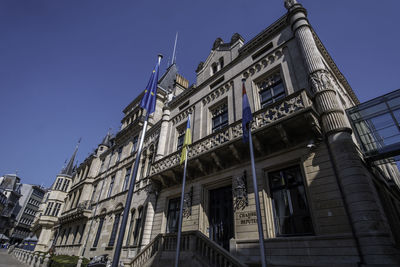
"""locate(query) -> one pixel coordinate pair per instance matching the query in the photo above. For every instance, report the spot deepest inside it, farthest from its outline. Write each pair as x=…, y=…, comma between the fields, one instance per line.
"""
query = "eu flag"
x=150, y=93
x=247, y=116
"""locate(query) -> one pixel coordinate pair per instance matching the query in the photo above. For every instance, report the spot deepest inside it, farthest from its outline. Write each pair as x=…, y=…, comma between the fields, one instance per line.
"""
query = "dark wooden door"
x=221, y=216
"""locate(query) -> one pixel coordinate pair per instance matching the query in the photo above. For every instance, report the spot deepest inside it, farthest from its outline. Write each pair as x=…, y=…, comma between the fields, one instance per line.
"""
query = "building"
x=320, y=200
x=45, y=223
x=10, y=187
x=28, y=206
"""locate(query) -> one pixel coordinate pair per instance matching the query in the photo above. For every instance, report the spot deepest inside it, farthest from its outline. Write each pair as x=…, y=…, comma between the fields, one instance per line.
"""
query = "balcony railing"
x=83, y=209
x=292, y=104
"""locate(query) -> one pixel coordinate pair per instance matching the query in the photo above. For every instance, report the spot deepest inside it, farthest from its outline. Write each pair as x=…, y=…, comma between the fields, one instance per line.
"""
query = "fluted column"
x=360, y=197
x=163, y=133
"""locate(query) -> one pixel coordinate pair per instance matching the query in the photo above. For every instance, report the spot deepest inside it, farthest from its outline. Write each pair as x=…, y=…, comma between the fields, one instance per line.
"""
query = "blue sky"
x=69, y=67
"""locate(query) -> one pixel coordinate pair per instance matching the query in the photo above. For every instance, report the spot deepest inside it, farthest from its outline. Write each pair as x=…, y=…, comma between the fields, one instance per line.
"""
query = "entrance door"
x=221, y=216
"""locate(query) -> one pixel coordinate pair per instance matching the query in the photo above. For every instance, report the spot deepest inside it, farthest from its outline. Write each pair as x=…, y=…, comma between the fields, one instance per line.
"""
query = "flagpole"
x=178, y=243
x=117, y=252
x=257, y=200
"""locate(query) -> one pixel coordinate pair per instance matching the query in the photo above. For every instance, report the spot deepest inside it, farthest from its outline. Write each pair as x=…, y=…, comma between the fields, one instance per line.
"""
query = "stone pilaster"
x=368, y=220
x=163, y=134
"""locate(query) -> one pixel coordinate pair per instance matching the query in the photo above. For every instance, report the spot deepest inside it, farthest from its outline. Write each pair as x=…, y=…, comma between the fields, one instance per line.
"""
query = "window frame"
x=272, y=85
x=218, y=112
x=285, y=189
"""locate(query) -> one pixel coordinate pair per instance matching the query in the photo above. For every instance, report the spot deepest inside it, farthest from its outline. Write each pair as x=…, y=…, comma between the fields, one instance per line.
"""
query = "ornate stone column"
x=163, y=133
x=360, y=197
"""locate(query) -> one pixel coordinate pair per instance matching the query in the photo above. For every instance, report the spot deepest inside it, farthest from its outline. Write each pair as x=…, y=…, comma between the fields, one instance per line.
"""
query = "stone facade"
x=321, y=202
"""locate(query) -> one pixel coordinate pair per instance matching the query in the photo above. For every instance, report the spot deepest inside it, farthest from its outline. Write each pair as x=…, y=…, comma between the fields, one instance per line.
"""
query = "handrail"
x=207, y=250
x=148, y=251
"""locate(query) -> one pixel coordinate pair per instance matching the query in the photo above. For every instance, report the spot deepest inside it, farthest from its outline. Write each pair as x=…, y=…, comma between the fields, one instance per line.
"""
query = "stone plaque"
x=246, y=217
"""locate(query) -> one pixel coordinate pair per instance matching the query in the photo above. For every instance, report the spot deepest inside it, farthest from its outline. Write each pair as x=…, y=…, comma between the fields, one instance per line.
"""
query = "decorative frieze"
x=217, y=93
x=264, y=62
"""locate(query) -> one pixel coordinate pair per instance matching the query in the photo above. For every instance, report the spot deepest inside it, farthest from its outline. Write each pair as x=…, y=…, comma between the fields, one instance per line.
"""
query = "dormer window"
x=221, y=62
x=214, y=68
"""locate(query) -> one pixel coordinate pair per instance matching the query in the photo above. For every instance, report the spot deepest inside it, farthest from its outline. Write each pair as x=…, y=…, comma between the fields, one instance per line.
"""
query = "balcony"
x=283, y=124
x=82, y=210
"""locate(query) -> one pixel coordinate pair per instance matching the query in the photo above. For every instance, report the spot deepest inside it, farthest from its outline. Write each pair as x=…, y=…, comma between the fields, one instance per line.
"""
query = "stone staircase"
x=197, y=250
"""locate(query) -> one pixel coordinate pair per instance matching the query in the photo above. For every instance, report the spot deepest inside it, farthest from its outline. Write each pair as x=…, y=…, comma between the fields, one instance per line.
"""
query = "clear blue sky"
x=69, y=67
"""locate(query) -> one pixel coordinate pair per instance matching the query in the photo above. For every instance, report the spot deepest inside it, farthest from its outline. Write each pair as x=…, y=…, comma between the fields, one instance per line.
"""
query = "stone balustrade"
x=31, y=258
x=289, y=106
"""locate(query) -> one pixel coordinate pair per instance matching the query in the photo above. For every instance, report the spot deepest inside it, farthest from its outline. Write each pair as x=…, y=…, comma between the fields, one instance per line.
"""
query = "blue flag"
x=150, y=93
x=247, y=116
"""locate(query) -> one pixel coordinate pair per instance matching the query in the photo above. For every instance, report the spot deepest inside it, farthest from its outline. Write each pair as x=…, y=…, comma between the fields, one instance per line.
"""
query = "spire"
x=106, y=139
x=174, y=53
x=69, y=169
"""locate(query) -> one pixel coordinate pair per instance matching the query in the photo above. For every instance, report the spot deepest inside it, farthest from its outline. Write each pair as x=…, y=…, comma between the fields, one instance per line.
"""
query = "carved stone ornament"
x=322, y=80
x=187, y=203
x=239, y=191
x=290, y=3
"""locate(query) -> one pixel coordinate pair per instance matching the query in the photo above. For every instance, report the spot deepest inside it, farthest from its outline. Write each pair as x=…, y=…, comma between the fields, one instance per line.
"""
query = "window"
x=56, y=209
x=214, y=68
x=142, y=168
x=221, y=62
x=58, y=184
x=128, y=239
x=96, y=240
x=119, y=153
x=127, y=175
x=66, y=239
x=138, y=226
x=149, y=162
x=82, y=231
x=271, y=89
x=173, y=215
x=49, y=207
x=114, y=230
x=292, y=216
x=62, y=236
x=94, y=192
x=65, y=185
x=219, y=117
x=134, y=144
x=111, y=186
x=75, y=234
x=181, y=137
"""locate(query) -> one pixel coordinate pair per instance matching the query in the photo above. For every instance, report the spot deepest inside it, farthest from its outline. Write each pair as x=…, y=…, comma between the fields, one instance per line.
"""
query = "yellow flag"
x=187, y=141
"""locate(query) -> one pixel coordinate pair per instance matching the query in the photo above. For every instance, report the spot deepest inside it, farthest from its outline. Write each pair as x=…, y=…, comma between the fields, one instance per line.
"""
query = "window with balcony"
x=290, y=206
x=219, y=117
x=271, y=89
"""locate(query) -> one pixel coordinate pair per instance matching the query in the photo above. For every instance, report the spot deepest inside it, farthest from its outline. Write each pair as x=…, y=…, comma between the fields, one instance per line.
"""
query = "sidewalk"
x=7, y=260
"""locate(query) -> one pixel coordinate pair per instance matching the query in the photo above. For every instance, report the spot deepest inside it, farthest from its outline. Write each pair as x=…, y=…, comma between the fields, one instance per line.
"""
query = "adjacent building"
x=10, y=188
x=28, y=206
x=322, y=202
